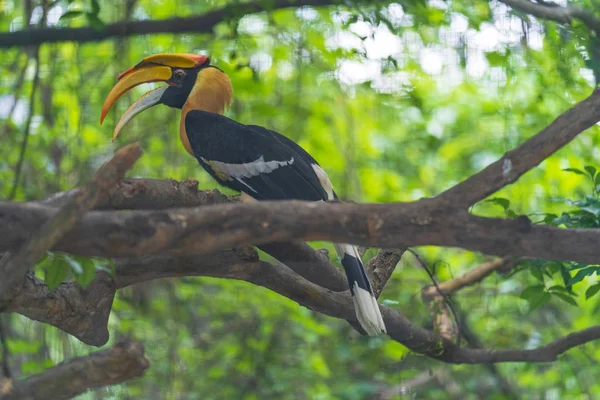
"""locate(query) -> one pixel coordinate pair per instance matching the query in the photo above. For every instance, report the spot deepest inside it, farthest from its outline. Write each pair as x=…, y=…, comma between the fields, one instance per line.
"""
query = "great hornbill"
x=260, y=163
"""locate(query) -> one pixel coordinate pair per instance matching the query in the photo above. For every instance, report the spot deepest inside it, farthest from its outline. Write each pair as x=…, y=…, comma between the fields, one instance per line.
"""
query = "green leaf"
x=565, y=218
x=95, y=6
x=566, y=276
x=575, y=171
x=539, y=300
x=532, y=292
x=581, y=274
x=75, y=266
x=504, y=203
x=496, y=58
x=88, y=274
x=592, y=290
x=591, y=171
x=566, y=298
x=537, y=273
x=558, y=288
x=94, y=21
x=70, y=15
x=56, y=273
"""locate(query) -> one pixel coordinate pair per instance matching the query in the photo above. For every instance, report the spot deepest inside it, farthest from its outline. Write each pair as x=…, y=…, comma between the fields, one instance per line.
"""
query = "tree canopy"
x=470, y=129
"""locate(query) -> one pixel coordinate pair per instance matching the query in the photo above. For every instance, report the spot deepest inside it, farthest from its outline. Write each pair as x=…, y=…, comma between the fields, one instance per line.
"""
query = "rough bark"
x=14, y=265
x=122, y=362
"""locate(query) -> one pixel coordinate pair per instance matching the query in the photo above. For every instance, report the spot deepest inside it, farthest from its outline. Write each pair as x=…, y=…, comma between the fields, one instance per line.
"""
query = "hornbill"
x=260, y=163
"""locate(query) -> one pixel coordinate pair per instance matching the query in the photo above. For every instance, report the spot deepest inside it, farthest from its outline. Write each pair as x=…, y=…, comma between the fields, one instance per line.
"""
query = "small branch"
x=147, y=194
x=382, y=266
x=34, y=86
x=204, y=23
x=515, y=163
x=120, y=363
x=470, y=278
x=435, y=296
x=13, y=267
x=555, y=12
x=443, y=321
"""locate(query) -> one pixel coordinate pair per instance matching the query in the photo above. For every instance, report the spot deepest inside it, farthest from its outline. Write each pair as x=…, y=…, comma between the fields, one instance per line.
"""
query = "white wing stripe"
x=250, y=169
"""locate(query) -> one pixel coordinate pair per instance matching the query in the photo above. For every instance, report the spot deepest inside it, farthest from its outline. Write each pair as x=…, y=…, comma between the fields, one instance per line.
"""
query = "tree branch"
x=206, y=229
x=515, y=163
x=470, y=278
x=154, y=194
x=197, y=24
x=13, y=266
x=120, y=363
x=555, y=12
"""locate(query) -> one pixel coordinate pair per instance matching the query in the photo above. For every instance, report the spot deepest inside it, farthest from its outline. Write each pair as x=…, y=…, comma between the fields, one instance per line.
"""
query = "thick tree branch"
x=243, y=265
x=120, y=363
x=515, y=163
x=555, y=12
x=14, y=266
x=206, y=229
x=154, y=194
x=197, y=24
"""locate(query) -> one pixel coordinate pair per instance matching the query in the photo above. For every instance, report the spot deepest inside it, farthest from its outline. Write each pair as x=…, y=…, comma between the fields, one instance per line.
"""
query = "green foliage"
x=58, y=266
x=397, y=102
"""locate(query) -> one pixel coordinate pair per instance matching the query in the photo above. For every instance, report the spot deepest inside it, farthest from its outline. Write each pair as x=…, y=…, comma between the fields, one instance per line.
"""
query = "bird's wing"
x=252, y=159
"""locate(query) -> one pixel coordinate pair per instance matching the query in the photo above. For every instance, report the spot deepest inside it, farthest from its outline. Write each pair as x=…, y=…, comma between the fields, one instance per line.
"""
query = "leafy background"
x=398, y=101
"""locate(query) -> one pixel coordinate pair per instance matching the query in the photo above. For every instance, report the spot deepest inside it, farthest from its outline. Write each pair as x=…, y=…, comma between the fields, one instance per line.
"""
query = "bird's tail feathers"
x=365, y=303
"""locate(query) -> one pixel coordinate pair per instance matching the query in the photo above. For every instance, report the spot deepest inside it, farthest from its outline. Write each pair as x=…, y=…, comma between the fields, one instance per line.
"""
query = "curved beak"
x=156, y=68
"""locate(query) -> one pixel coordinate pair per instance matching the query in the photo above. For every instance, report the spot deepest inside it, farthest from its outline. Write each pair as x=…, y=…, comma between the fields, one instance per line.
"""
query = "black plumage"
x=216, y=139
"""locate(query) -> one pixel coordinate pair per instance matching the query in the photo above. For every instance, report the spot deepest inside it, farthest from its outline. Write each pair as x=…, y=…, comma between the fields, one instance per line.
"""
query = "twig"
x=16, y=93
x=120, y=363
x=198, y=24
x=529, y=154
x=471, y=277
x=445, y=318
x=14, y=267
x=555, y=12
x=19, y=166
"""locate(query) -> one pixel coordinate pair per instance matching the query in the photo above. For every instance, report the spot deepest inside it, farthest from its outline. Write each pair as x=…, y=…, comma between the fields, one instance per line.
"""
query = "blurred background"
x=397, y=101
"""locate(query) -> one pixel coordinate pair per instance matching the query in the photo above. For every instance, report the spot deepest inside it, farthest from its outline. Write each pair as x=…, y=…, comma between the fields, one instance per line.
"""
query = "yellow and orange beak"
x=156, y=68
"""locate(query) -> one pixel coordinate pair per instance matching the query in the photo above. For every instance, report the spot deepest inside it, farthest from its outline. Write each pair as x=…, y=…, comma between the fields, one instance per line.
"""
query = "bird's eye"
x=179, y=75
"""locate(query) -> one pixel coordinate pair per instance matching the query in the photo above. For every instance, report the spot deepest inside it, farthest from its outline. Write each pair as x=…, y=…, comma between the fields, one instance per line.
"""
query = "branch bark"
x=206, y=229
x=197, y=24
x=555, y=12
x=122, y=362
x=243, y=265
x=154, y=194
x=470, y=278
x=14, y=266
x=515, y=163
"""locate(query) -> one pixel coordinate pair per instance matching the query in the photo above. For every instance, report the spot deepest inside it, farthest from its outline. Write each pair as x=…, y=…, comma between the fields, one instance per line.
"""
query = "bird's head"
x=191, y=83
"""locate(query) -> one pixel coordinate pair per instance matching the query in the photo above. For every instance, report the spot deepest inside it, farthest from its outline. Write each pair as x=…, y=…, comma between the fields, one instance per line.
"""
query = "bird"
x=258, y=162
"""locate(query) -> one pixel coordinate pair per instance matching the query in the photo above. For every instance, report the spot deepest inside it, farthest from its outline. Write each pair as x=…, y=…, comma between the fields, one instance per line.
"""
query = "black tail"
x=365, y=303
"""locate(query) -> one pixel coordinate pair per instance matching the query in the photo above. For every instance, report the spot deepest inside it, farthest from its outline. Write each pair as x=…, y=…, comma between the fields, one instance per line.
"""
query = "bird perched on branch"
x=260, y=163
